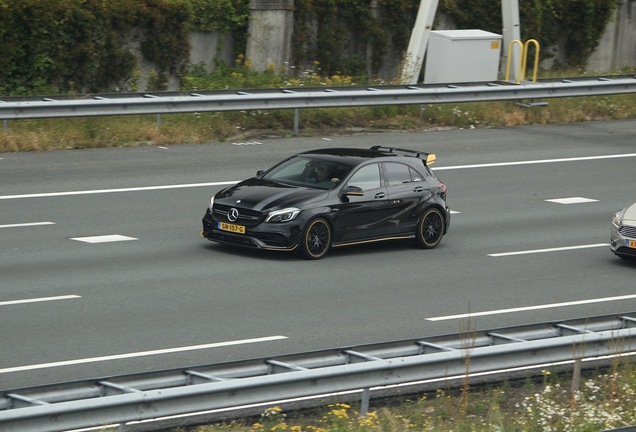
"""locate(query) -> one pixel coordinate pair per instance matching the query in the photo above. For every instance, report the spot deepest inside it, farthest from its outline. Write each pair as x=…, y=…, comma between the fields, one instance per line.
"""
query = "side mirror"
x=260, y=172
x=353, y=191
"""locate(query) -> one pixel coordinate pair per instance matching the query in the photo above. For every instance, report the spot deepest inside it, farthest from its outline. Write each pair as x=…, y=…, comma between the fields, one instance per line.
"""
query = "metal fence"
x=151, y=396
x=117, y=400
x=315, y=97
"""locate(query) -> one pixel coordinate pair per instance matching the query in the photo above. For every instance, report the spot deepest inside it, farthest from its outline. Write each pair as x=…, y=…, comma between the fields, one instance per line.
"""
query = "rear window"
x=398, y=173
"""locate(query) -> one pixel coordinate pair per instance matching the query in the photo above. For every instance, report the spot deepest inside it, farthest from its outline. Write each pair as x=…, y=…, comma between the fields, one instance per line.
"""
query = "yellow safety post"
x=536, y=58
x=514, y=42
x=524, y=59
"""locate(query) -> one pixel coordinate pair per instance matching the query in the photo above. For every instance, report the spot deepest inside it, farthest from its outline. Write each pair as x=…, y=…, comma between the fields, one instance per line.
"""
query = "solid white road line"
x=26, y=224
x=182, y=186
x=139, y=354
x=540, y=161
x=529, y=308
x=36, y=300
x=527, y=252
x=104, y=191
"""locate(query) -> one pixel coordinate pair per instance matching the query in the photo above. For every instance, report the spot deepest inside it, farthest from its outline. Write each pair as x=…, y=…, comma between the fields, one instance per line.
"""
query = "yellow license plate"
x=631, y=244
x=232, y=228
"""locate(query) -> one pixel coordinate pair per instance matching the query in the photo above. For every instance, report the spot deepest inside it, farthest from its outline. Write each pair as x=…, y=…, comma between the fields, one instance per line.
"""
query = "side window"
x=415, y=176
x=367, y=177
x=397, y=173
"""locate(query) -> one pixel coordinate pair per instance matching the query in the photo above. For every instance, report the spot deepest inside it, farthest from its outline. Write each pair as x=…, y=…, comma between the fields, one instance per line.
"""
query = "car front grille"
x=228, y=238
x=246, y=217
x=625, y=251
x=628, y=231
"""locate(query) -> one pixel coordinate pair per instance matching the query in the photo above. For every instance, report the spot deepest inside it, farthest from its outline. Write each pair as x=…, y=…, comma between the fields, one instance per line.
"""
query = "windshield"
x=309, y=172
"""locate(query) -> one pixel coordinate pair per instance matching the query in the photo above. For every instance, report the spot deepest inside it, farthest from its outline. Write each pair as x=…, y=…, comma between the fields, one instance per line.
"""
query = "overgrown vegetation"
x=209, y=127
x=321, y=27
x=578, y=26
x=73, y=46
x=605, y=400
x=87, y=46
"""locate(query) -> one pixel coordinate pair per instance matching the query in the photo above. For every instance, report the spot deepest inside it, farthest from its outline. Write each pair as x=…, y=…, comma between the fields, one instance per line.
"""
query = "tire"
x=430, y=229
x=316, y=239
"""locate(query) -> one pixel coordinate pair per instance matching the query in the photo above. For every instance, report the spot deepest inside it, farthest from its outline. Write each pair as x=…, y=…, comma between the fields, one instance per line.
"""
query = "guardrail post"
x=576, y=375
x=296, y=120
x=364, y=402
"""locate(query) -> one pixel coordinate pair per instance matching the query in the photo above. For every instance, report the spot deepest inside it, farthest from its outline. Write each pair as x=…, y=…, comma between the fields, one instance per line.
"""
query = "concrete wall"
x=271, y=28
x=617, y=48
x=207, y=47
x=270, y=32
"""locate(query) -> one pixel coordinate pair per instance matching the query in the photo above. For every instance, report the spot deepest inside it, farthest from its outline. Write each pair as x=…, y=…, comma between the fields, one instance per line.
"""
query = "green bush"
x=79, y=46
x=579, y=25
x=321, y=27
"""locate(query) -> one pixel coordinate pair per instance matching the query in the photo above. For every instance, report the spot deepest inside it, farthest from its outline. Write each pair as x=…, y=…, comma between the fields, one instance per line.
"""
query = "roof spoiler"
x=428, y=158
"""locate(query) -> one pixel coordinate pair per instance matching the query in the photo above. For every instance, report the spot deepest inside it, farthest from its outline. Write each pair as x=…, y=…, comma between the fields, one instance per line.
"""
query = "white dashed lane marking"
x=37, y=300
x=104, y=238
x=572, y=200
x=30, y=224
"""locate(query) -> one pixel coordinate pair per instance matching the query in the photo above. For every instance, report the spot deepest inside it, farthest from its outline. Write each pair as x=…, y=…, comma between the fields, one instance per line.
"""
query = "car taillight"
x=442, y=187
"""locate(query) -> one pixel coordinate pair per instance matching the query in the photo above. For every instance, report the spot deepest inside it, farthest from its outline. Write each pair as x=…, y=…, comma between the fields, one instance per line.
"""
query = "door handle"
x=380, y=195
x=418, y=189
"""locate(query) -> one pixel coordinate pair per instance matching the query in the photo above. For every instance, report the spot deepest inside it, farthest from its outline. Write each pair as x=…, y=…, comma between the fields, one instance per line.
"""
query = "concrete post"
x=270, y=31
x=511, y=32
x=375, y=14
x=419, y=40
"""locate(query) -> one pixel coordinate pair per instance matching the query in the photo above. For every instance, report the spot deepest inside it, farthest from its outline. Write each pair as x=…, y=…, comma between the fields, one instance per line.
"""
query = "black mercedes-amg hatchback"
x=328, y=198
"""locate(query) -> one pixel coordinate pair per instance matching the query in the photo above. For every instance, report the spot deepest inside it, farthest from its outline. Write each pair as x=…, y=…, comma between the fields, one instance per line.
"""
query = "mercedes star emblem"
x=233, y=214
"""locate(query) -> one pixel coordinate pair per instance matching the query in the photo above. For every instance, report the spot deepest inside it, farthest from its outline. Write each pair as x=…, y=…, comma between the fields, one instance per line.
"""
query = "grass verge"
x=204, y=128
x=605, y=400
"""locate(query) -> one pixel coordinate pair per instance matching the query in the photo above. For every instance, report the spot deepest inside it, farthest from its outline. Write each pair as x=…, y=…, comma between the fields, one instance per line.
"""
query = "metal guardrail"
x=139, y=397
x=147, y=396
x=315, y=97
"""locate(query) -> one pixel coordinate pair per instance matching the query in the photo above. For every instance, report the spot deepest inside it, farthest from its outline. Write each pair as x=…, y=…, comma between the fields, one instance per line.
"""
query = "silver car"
x=623, y=232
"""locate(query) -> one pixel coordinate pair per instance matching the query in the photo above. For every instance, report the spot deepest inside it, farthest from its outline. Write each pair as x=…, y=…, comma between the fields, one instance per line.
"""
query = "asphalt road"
x=162, y=297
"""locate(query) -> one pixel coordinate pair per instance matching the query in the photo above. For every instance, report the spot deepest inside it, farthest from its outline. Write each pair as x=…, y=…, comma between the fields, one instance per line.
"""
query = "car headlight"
x=284, y=215
x=211, y=204
x=617, y=219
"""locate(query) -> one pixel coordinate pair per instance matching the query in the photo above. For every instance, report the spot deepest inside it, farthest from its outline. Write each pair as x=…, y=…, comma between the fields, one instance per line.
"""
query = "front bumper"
x=620, y=240
x=283, y=237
